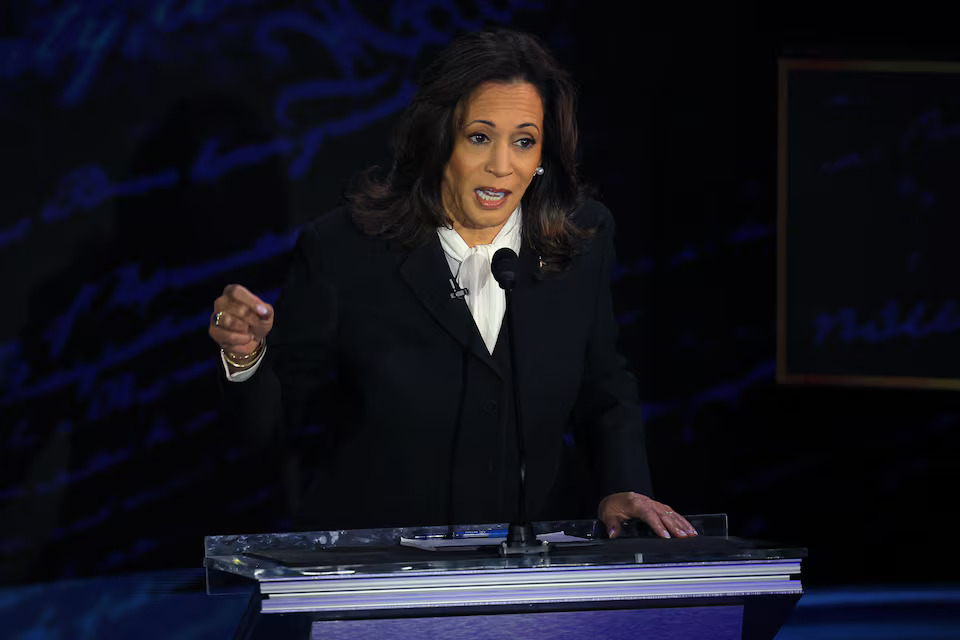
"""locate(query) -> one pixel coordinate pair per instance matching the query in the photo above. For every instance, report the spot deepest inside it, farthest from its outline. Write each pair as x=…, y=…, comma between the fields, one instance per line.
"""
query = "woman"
x=394, y=294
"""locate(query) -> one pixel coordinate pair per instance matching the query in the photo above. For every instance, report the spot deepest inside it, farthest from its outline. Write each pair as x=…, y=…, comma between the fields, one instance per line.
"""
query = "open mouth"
x=491, y=198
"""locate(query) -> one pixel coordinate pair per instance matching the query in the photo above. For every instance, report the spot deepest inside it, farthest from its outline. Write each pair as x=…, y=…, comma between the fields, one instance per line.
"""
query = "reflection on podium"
x=446, y=581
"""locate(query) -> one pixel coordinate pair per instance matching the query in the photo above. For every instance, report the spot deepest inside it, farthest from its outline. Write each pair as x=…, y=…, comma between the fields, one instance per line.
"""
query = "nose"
x=498, y=163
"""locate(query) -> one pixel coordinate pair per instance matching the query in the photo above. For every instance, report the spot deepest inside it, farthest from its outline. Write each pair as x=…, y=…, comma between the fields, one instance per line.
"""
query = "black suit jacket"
x=417, y=423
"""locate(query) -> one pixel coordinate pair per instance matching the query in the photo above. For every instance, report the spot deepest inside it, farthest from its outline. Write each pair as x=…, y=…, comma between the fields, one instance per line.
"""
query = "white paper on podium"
x=432, y=544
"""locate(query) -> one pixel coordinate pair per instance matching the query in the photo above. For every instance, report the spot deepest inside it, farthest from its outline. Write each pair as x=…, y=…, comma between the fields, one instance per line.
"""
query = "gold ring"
x=216, y=318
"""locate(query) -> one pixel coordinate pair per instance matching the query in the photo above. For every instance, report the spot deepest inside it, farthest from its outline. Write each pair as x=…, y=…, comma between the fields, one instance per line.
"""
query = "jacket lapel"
x=426, y=272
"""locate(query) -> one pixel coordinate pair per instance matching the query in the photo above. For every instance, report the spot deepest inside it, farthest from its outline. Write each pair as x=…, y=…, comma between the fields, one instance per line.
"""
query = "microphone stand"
x=521, y=539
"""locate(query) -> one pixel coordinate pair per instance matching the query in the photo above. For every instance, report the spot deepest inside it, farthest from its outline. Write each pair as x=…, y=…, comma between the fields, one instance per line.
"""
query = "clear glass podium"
x=439, y=581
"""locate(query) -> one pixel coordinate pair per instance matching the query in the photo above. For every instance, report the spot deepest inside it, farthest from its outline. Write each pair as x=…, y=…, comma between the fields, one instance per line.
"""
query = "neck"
x=473, y=237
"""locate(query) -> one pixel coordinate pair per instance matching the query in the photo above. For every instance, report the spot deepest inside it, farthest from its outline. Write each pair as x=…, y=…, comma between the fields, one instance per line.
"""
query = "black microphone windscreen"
x=504, y=267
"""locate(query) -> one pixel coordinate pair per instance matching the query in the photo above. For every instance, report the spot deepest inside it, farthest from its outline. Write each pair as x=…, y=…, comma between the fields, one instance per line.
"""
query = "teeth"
x=490, y=196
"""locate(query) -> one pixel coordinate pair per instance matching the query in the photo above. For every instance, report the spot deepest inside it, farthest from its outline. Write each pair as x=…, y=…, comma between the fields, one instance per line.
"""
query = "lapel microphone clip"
x=458, y=292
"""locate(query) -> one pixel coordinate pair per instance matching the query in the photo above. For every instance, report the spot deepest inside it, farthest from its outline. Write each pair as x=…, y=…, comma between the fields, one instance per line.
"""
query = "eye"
x=526, y=143
x=477, y=138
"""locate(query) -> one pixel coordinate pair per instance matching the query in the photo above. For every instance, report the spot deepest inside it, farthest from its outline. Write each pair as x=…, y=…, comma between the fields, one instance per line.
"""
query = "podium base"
x=715, y=622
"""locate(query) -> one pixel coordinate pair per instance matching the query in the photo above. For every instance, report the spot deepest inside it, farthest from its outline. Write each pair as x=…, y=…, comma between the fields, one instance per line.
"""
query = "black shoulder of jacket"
x=334, y=223
x=594, y=215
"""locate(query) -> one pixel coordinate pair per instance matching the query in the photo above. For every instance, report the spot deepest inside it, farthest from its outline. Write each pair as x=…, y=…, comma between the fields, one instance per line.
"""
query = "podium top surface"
x=319, y=554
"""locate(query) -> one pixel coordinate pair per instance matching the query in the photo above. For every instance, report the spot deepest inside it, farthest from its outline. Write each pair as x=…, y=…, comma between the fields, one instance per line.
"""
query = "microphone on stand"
x=520, y=536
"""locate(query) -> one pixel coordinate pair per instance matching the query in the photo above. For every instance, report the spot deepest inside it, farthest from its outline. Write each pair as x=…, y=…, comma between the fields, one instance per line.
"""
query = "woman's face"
x=495, y=155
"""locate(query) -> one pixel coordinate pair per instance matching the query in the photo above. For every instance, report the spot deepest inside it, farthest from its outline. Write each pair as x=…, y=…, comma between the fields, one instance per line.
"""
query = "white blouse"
x=470, y=267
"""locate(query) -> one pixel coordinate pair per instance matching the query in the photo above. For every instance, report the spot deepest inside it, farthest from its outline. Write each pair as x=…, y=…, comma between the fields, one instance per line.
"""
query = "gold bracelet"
x=238, y=361
x=239, y=365
x=241, y=358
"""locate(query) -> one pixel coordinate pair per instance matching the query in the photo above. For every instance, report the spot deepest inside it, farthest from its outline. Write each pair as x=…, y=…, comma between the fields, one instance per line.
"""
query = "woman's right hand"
x=240, y=320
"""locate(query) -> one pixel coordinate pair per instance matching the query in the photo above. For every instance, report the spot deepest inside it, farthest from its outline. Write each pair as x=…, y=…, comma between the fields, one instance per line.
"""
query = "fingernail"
x=610, y=532
x=262, y=310
x=666, y=534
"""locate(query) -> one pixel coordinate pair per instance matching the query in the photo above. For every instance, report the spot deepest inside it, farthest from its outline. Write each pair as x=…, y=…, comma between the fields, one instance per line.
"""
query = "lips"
x=489, y=197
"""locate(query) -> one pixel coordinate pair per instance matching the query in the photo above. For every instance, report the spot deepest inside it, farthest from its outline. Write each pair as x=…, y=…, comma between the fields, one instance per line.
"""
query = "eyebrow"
x=519, y=126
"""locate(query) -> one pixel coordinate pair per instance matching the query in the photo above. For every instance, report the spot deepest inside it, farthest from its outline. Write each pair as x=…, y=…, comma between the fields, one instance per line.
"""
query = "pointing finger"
x=241, y=294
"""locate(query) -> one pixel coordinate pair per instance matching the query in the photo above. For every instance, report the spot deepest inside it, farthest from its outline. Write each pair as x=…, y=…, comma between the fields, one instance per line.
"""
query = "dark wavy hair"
x=407, y=204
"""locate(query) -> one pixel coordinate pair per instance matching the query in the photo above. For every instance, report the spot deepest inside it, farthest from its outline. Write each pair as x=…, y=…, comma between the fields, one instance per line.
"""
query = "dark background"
x=154, y=151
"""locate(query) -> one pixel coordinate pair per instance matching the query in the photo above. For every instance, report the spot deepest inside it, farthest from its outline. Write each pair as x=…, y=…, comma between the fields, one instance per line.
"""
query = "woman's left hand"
x=616, y=508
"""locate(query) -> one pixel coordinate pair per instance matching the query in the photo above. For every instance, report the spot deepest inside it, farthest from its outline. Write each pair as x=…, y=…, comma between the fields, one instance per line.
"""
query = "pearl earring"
x=539, y=171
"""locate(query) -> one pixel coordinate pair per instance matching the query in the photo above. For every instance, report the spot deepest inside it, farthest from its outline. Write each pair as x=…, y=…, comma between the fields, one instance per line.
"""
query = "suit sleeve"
x=300, y=353
x=607, y=414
